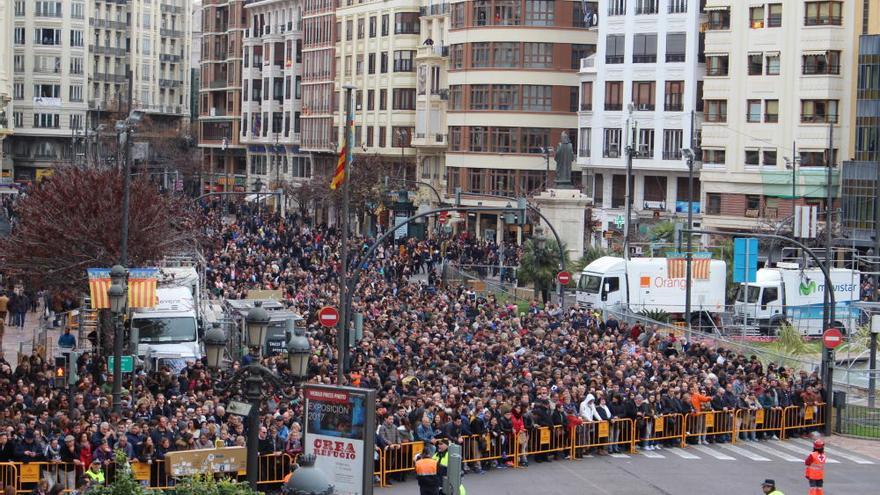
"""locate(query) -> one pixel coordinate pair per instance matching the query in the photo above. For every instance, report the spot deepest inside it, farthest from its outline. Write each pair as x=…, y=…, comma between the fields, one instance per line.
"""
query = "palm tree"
x=540, y=264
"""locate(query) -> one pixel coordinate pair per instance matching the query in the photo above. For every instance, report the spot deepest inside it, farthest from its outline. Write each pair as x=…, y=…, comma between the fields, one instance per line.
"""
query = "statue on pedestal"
x=564, y=157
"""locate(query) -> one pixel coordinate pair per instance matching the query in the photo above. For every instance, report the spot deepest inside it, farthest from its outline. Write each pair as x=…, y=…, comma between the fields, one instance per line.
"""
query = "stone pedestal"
x=564, y=208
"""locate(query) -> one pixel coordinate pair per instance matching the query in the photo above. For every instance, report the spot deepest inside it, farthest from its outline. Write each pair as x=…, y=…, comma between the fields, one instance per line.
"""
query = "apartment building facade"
x=640, y=93
x=513, y=90
x=376, y=46
x=318, y=84
x=224, y=161
x=6, y=128
x=272, y=94
x=776, y=84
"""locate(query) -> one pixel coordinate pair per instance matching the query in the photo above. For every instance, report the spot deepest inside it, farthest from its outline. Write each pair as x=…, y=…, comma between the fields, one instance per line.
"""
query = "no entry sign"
x=563, y=278
x=328, y=316
x=832, y=338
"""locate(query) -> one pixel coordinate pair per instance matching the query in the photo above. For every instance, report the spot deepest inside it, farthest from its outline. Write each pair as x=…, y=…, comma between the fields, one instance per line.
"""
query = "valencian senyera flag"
x=677, y=268
x=142, y=283
x=339, y=173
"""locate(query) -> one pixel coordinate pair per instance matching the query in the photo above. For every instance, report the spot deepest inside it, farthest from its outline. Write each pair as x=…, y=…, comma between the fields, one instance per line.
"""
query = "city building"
x=224, y=162
x=195, y=60
x=49, y=83
x=272, y=94
x=513, y=90
x=776, y=91
x=318, y=134
x=6, y=128
x=376, y=43
x=639, y=94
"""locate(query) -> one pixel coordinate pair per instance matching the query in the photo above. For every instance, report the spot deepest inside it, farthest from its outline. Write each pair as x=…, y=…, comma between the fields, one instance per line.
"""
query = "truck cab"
x=602, y=283
x=170, y=329
x=762, y=302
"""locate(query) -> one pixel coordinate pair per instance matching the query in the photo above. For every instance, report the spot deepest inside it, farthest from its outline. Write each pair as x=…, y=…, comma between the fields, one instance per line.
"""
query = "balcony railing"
x=644, y=59
x=169, y=83
x=811, y=69
x=716, y=71
x=172, y=9
x=613, y=59
x=219, y=83
x=166, y=57
x=108, y=77
x=171, y=33
x=815, y=118
x=672, y=155
x=823, y=21
x=675, y=57
x=107, y=50
x=614, y=107
x=586, y=107
x=588, y=62
x=673, y=107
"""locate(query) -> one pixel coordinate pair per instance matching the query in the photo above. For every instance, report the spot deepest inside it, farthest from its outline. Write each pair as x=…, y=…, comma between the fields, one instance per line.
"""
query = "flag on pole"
x=677, y=268
x=142, y=284
x=339, y=174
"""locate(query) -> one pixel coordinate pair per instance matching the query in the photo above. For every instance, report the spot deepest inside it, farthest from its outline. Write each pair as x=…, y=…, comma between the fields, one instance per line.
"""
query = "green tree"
x=663, y=232
x=539, y=265
x=124, y=484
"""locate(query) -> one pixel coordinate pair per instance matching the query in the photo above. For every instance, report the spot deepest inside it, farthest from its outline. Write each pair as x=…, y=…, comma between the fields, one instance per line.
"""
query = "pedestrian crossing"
x=793, y=450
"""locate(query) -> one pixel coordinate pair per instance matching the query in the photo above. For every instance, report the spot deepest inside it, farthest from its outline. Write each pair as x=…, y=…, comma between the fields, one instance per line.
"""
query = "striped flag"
x=677, y=268
x=339, y=174
x=142, y=285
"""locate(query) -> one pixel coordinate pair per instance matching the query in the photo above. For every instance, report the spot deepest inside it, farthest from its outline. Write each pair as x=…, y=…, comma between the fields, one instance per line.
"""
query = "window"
x=403, y=60
x=76, y=92
x=537, y=98
x=477, y=139
x=579, y=52
x=753, y=203
x=538, y=55
x=456, y=56
x=479, y=97
x=372, y=32
x=822, y=63
x=18, y=119
x=583, y=14
x=819, y=111
x=508, y=13
x=772, y=64
x=753, y=157
x=47, y=91
x=47, y=36
x=678, y=6
x=47, y=9
x=406, y=23
x=719, y=19
x=371, y=99
x=614, y=48
x=584, y=142
x=645, y=142
x=756, y=64
x=611, y=143
x=401, y=137
x=672, y=144
x=613, y=95
x=816, y=158
x=19, y=36
x=47, y=120
x=505, y=97
x=774, y=19
x=717, y=65
x=616, y=7
x=769, y=157
x=674, y=96
x=505, y=140
x=383, y=138
x=360, y=28
x=643, y=95
x=505, y=54
x=76, y=38
x=349, y=30
x=455, y=98
x=385, y=22
x=823, y=14
x=586, y=96
x=383, y=101
x=481, y=12
x=713, y=203
x=403, y=99
x=539, y=12
x=646, y=7
x=76, y=65
x=675, y=47
x=756, y=17
x=18, y=91
x=19, y=8
x=475, y=178
x=771, y=111
x=644, y=48
x=383, y=62
x=480, y=54
x=716, y=111
x=535, y=139
x=714, y=156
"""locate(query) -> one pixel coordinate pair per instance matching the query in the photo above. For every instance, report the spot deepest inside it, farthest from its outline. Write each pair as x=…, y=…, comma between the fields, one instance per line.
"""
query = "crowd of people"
x=446, y=363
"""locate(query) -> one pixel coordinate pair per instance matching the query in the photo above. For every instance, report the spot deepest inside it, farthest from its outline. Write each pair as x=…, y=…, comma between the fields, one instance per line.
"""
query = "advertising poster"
x=340, y=422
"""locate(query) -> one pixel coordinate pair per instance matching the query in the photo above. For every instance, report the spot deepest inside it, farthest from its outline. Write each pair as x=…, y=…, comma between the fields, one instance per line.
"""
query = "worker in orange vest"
x=427, y=472
x=815, y=472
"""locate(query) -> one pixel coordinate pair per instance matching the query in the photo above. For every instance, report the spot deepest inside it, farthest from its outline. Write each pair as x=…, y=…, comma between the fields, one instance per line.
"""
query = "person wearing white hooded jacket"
x=588, y=414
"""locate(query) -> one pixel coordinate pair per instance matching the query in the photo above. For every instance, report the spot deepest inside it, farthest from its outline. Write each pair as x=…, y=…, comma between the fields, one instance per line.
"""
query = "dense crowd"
x=445, y=363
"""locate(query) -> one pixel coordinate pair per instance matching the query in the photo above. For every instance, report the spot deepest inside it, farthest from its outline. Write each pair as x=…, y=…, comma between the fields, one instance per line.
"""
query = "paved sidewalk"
x=869, y=448
x=15, y=339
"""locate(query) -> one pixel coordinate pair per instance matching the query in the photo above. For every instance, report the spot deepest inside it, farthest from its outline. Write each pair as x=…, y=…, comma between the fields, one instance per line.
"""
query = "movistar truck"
x=789, y=294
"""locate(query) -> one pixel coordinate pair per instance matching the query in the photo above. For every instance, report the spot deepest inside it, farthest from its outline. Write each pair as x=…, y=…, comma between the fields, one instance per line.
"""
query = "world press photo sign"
x=340, y=426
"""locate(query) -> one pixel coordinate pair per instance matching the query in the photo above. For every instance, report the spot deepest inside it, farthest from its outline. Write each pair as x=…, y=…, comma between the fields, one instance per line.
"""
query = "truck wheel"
x=776, y=328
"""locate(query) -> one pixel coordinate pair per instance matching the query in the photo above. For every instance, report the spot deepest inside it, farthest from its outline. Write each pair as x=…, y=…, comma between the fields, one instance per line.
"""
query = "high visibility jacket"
x=97, y=478
x=775, y=492
x=443, y=459
x=815, y=466
x=426, y=467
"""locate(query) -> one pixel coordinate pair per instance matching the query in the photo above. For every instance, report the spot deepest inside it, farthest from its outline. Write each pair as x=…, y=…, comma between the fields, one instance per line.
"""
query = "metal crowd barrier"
x=708, y=424
x=802, y=420
x=761, y=420
x=665, y=428
x=600, y=434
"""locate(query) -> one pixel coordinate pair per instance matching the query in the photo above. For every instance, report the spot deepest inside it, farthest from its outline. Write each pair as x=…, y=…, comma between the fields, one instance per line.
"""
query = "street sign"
x=328, y=316
x=127, y=364
x=563, y=278
x=745, y=259
x=443, y=216
x=832, y=338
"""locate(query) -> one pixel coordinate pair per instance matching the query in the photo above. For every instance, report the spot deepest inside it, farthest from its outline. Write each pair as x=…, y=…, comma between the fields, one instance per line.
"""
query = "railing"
x=613, y=59
x=590, y=62
x=644, y=59
x=823, y=21
x=815, y=69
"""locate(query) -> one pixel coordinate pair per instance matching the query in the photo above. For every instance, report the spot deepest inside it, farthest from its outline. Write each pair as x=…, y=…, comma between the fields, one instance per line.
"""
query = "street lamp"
x=257, y=321
x=547, y=150
x=117, y=298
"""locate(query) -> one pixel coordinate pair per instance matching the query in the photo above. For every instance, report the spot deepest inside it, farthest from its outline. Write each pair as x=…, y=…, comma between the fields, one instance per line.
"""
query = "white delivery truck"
x=170, y=333
x=788, y=294
x=655, y=284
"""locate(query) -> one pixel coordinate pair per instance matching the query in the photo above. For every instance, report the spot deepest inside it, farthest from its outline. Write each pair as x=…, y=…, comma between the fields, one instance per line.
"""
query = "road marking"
x=745, y=453
x=684, y=454
x=652, y=455
x=795, y=448
x=835, y=452
x=718, y=455
x=620, y=456
x=777, y=453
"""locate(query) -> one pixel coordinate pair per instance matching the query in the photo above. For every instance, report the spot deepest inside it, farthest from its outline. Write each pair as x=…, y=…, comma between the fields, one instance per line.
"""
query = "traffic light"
x=60, y=369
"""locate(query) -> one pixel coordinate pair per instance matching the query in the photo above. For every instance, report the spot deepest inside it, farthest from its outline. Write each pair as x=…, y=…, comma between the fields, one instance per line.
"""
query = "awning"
x=815, y=52
x=717, y=7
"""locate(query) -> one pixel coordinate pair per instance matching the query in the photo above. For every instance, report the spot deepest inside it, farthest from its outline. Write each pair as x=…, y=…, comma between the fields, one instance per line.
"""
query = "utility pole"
x=828, y=354
x=342, y=332
x=126, y=180
x=794, y=161
x=630, y=149
x=690, y=220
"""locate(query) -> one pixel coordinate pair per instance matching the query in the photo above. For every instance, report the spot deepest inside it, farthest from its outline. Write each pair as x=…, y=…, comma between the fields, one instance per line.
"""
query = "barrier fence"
x=477, y=450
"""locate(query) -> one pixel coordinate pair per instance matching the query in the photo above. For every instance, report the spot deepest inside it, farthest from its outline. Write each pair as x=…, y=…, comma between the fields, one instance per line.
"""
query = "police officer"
x=428, y=472
x=769, y=488
x=94, y=475
x=815, y=471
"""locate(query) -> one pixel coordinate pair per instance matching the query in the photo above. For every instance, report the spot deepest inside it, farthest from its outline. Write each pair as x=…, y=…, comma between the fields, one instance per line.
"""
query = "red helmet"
x=819, y=444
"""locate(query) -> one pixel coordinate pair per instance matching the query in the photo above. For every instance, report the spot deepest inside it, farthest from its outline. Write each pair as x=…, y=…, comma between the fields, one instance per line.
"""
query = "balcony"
x=821, y=69
x=673, y=107
x=434, y=9
x=655, y=205
x=823, y=21
x=588, y=63
x=613, y=107
x=166, y=57
x=644, y=59
x=172, y=33
x=107, y=50
x=586, y=107
x=672, y=155
x=108, y=77
x=675, y=57
x=430, y=140
x=613, y=59
x=169, y=83
x=219, y=83
x=169, y=109
x=433, y=51
x=170, y=9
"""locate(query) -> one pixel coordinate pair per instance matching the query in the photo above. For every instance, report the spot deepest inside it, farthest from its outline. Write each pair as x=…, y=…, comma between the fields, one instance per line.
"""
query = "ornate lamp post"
x=117, y=294
x=252, y=381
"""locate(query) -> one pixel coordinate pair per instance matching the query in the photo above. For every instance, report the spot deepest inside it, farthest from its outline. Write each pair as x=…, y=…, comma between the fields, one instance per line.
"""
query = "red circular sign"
x=328, y=316
x=832, y=338
x=563, y=277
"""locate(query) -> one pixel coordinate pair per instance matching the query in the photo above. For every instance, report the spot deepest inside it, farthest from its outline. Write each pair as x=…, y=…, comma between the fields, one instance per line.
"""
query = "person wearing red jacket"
x=815, y=471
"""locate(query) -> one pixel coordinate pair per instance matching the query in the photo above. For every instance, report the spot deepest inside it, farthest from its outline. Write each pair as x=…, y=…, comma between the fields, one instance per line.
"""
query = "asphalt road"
x=714, y=469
